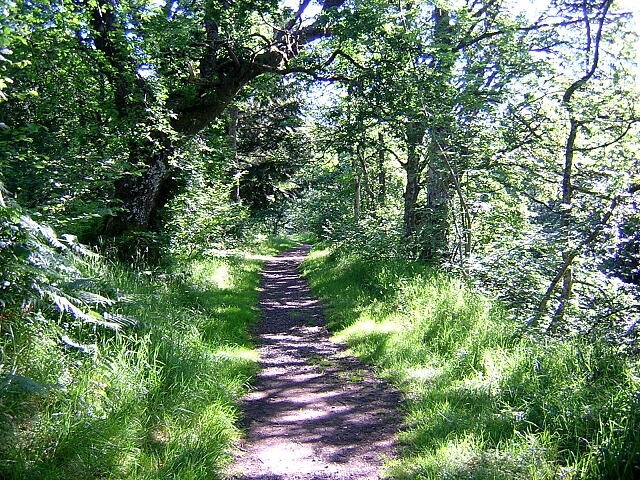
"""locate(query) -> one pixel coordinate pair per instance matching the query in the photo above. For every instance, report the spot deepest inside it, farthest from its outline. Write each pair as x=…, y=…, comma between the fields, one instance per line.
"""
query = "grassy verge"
x=483, y=400
x=154, y=398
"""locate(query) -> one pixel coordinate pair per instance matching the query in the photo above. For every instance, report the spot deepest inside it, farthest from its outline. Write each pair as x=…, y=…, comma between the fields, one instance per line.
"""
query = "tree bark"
x=142, y=195
x=364, y=174
x=233, y=140
x=411, y=192
x=565, y=224
x=357, y=189
x=437, y=211
x=413, y=167
x=440, y=127
x=382, y=175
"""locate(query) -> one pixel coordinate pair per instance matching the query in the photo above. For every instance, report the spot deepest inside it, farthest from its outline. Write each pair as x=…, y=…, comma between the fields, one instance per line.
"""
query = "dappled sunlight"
x=423, y=374
x=239, y=353
x=275, y=260
x=366, y=326
x=220, y=277
x=283, y=458
x=261, y=258
x=313, y=413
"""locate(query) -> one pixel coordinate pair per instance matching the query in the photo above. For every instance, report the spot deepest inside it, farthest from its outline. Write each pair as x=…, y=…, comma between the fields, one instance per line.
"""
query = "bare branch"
x=569, y=257
x=530, y=28
x=596, y=54
x=303, y=6
x=610, y=142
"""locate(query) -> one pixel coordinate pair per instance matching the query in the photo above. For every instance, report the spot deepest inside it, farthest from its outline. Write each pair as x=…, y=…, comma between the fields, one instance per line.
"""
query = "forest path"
x=315, y=413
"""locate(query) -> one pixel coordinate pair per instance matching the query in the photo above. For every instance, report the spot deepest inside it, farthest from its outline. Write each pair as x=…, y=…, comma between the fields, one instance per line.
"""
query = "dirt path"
x=314, y=414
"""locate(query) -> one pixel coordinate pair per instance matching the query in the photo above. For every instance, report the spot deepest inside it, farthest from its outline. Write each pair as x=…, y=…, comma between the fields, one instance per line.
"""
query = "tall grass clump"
x=110, y=371
x=485, y=399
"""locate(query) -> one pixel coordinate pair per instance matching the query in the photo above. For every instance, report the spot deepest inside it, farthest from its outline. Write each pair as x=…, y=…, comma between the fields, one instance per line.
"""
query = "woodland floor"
x=315, y=413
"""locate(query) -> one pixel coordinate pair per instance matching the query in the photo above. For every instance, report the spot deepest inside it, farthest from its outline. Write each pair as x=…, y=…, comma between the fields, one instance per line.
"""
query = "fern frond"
x=68, y=269
x=19, y=383
x=97, y=319
x=50, y=272
x=94, y=298
x=64, y=304
x=77, y=247
x=44, y=231
x=81, y=283
x=84, y=348
x=122, y=320
x=8, y=202
x=131, y=298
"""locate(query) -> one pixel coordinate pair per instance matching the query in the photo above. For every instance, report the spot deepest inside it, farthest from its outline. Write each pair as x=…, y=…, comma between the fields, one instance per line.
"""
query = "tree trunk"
x=411, y=193
x=364, y=173
x=567, y=203
x=382, y=175
x=142, y=196
x=233, y=140
x=413, y=167
x=436, y=228
x=357, y=189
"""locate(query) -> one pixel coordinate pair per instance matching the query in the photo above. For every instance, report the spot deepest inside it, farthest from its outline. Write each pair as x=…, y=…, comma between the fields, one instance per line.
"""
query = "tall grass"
x=484, y=400
x=156, y=398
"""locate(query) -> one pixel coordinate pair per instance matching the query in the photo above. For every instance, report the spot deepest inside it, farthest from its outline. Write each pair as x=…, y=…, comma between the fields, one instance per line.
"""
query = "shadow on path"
x=315, y=413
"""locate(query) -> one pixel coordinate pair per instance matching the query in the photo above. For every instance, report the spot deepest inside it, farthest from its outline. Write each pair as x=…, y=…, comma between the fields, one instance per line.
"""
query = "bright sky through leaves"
x=532, y=9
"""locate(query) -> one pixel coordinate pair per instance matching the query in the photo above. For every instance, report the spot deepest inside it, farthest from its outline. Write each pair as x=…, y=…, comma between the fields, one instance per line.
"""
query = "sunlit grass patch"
x=216, y=272
x=471, y=457
x=266, y=246
x=157, y=398
x=483, y=400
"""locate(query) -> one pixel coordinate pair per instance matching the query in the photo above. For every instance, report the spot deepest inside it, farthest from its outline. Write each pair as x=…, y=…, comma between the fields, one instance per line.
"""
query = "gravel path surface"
x=315, y=413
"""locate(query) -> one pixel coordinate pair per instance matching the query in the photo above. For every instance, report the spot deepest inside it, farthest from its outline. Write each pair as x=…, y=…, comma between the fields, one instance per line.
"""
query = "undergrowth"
x=484, y=400
x=109, y=371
